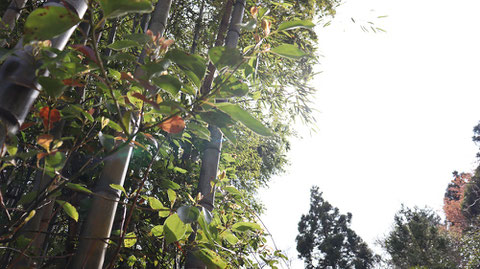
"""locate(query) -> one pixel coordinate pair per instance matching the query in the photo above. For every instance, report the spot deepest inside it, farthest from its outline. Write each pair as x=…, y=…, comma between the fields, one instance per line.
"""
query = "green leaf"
x=217, y=118
x=117, y=8
x=193, y=65
x=210, y=258
x=245, y=226
x=168, y=184
x=155, y=204
x=154, y=69
x=47, y=22
x=27, y=198
x=138, y=37
x=53, y=87
x=188, y=214
x=157, y=230
x=69, y=209
x=244, y=117
x=288, y=51
x=168, y=83
x=179, y=170
x=289, y=25
x=130, y=240
x=56, y=160
x=172, y=196
x=123, y=44
x=230, y=87
x=118, y=187
x=174, y=229
x=229, y=237
x=223, y=56
x=78, y=187
x=107, y=141
x=199, y=130
x=229, y=135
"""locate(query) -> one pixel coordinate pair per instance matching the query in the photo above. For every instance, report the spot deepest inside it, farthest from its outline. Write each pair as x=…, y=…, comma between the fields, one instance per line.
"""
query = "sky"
x=395, y=116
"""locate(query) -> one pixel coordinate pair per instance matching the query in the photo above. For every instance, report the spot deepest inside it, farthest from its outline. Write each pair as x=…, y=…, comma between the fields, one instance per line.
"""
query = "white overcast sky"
x=396, y=113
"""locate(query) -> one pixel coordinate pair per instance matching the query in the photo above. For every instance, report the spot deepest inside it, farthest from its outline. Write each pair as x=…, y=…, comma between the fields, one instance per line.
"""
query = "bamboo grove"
x=135, y=133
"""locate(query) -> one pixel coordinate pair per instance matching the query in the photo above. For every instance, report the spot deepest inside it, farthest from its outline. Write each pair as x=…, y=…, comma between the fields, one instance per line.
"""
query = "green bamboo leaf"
x=77, y=187
x=289, y=25
x=174, y=229
x=123, y=44
x=117, y=8
x=47, y=22
x=245, y=226
x=118, y=187
x=288, y=51
x=245, y=118
x=210, y=258
x=223, y=56
x=192, y=65
x=69, y=209
x=229, y=237
x=130, y=240
x=168, y=184
x=53, y=87
x=168, y=83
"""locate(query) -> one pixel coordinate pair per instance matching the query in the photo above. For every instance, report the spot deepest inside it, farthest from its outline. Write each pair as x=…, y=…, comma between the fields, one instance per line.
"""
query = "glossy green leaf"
x=193, y=65
x=130, y=240
x=56, y=160
x=154, y=69
x=77, y=187
x=223, y=56
x=199, y=130
x=245, y=226
x=230, y=87
x=47, y=22
x=168, y=83
x=172, y=196
x=229, y=237
x=288, y=51
x=229, y=135
x=157, y=230
x=210, y=258
x=69, y=209
x=154, y=203
x=245, y=118
x=174, y=229
x=118, y=187
x=289, y=25
x=217, y=118
x=116, y=8
x=188, y=214
x=168, y=184
x=123, y=44
x=53, y=87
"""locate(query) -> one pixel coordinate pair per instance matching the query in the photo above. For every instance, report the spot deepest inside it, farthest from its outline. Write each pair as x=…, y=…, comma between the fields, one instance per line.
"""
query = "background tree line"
x=419, y=238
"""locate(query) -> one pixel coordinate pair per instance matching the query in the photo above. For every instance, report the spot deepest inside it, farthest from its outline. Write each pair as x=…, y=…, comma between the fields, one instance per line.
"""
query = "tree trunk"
x=11, y=16
x=211, y=155
x=98, y=226
x=19, y=87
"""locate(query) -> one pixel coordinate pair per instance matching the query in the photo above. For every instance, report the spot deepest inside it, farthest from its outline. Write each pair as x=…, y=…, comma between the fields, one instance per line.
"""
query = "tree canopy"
x=325, y=239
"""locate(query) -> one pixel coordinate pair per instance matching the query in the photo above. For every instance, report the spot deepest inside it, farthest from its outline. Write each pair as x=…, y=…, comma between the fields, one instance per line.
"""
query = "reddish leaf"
x=73, y=82
x=126, y=75
x=87, y=51
x=26, y=125
x=173, y=125
x=49, y=117
x=145, y=99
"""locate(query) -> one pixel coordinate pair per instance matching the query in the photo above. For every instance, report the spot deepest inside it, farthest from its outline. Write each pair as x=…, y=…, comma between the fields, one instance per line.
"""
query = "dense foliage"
x=116, y=87
x=326, y=240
